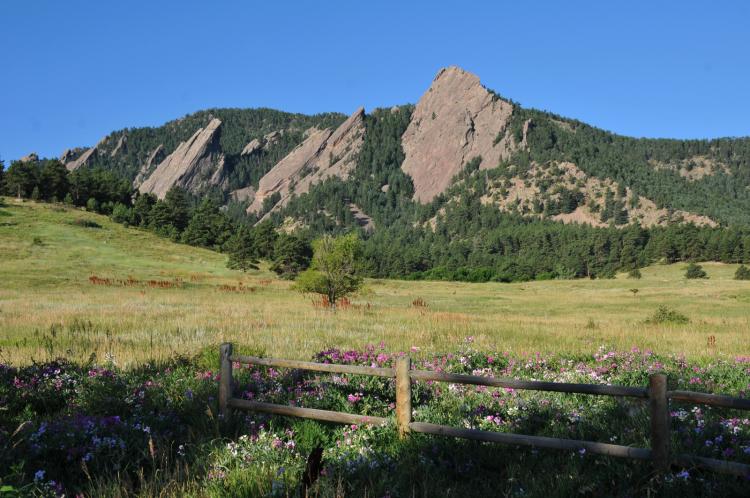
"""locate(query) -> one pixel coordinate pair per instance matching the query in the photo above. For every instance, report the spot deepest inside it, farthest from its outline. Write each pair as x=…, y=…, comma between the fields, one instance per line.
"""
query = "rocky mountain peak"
x=456, y=120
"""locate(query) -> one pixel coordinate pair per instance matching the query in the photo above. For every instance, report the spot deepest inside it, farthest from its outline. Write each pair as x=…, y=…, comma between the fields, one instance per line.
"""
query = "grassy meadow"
x=49, y=307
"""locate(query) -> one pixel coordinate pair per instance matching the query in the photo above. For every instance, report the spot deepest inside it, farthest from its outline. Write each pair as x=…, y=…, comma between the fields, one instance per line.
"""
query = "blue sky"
x=73, y=71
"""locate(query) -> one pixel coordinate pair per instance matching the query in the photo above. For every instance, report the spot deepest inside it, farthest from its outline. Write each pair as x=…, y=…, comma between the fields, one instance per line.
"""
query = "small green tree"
x=635, y=273
x=334, y=272
x=291, y=255
x=243, y=253
x=695, y=271
x=742, y=273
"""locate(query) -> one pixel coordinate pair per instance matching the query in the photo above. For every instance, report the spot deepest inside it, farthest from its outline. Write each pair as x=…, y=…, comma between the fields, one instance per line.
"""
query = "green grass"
x=49, y=308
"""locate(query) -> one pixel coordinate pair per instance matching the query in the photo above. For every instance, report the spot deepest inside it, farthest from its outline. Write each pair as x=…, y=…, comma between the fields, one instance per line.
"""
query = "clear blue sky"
x=73, y=71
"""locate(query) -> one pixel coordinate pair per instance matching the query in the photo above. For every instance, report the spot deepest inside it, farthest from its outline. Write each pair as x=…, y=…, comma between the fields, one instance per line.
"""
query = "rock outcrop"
x=155, y=156
x=257, y=144
x=121, y=146
x=192, y=165
x=81, y=159
x=252, y=147
x=242, y=194
x=323, y=154
x=31, y=158
x=456, y=120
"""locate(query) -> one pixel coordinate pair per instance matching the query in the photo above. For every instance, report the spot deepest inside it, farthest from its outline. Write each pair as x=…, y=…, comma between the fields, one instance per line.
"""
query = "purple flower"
x=683, y=475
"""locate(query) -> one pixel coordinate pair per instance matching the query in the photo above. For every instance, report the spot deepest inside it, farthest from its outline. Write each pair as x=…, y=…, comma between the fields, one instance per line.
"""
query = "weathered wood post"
x=225, y=378
x=403, y=395
x=657, y=394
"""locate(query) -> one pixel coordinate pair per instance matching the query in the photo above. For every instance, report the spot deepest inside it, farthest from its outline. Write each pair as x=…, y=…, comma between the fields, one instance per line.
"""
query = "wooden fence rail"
x=656, y=393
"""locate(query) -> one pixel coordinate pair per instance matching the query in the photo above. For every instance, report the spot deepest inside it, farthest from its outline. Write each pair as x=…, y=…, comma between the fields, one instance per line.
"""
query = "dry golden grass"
x=48, y=307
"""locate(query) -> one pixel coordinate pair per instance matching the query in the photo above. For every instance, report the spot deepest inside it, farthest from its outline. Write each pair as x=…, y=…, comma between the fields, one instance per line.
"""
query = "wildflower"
x=582, y=451
x=189, y=394
x=38, y=475
x=353, y=398
x=684, y=475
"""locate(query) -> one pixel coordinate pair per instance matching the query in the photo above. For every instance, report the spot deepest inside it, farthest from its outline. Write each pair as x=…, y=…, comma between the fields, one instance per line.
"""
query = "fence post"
x=225, y=378
x=657, y=394
x=403, y=394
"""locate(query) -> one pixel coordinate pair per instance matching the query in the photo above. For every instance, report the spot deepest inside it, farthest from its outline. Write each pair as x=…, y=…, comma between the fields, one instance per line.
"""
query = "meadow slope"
x=49, y=307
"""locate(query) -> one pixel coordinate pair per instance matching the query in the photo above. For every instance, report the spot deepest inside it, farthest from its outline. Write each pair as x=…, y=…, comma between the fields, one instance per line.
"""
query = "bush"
x=664, y=314
x=742, y=273
x=695, y=271
x=92, y=205
x=635, y=273
x=81, y=222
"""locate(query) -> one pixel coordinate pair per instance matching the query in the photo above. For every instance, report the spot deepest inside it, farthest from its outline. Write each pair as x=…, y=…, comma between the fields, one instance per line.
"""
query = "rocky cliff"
x=194, y=164
x=323, y=154
x=456, y=120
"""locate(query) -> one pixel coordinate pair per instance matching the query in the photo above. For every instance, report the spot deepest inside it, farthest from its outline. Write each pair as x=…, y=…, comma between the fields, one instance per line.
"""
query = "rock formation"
x=456, y=120
x=143, y=172
x=252, y=147
x=121, y=146
x=242, y=194
x=31, y=158
x=191, y=165
x=323, y=154
x=82, y=159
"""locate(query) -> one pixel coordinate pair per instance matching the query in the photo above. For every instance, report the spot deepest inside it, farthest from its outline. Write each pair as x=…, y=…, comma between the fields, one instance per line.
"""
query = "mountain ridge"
x=456, y=123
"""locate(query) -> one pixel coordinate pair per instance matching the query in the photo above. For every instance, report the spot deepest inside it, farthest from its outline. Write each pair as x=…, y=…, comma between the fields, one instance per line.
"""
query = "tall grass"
x=49, y=307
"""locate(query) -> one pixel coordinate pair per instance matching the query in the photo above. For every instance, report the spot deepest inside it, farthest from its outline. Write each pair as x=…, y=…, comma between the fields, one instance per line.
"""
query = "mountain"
x=522, y=161
x=464, y=184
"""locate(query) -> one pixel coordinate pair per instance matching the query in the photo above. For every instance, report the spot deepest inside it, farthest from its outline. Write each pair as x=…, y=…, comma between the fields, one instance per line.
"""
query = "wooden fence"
x=656, y=393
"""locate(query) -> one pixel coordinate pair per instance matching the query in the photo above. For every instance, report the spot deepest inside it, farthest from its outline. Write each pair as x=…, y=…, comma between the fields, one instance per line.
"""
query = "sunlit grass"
x=49, y=308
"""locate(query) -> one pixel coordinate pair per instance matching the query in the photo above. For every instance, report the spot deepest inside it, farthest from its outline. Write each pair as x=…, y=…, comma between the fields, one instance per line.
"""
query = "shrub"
x=81, y=222
x=695, y=271
x=664, y=314
x=635, y=273
x=742, y=273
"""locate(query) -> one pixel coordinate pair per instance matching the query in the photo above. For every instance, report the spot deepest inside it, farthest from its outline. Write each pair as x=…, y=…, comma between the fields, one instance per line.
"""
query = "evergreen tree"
x=291, y=255
x=265, y=239
x=243, y=254
x=695, y=271
x=208, y=227
x=742, y=273
x=178, y=207
x=21, y=178
x=53, y=180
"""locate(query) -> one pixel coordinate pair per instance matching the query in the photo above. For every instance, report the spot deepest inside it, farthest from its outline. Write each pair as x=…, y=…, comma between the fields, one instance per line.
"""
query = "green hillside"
x=49, y=306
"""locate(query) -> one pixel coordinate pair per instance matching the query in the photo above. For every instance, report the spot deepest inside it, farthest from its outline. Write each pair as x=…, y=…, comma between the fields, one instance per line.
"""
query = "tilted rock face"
x=84, y=159
x=323, y=154
x=31, y=158
x=120, y=147
x=252, y=147
x=192, y=164
x=456, y=120
x=257, y=144
x=156, y=155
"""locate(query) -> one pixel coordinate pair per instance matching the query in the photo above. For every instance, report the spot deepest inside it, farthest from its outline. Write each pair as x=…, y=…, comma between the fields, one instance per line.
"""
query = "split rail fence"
x=656, y=393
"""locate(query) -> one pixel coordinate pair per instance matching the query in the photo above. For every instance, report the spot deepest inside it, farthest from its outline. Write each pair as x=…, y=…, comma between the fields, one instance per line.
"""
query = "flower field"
x=78, y=429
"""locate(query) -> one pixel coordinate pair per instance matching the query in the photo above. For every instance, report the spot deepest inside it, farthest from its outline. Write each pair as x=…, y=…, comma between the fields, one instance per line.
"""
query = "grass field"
x=48, y=307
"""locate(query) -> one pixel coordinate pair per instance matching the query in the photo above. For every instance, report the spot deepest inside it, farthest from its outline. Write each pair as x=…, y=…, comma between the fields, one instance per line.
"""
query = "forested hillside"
x=535, y=196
